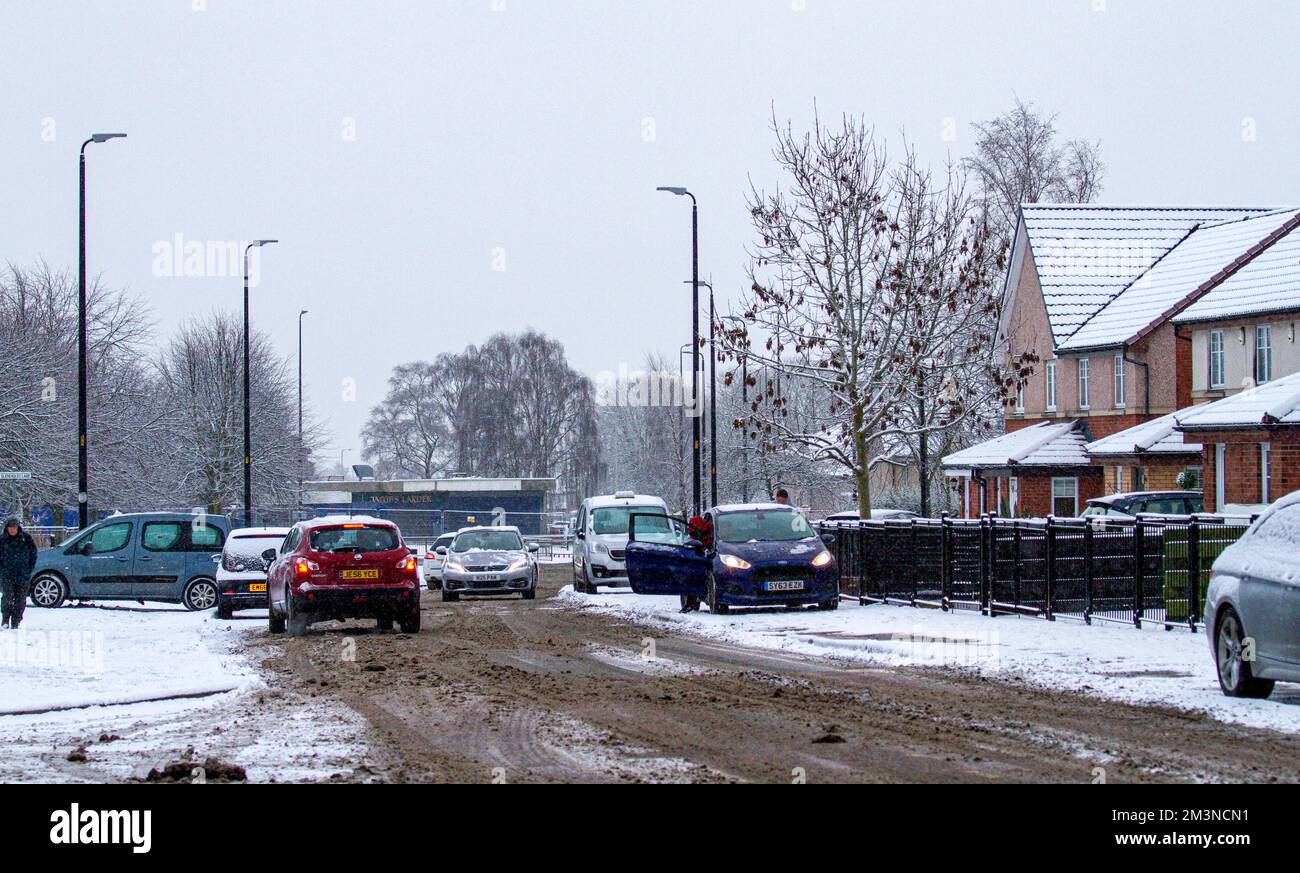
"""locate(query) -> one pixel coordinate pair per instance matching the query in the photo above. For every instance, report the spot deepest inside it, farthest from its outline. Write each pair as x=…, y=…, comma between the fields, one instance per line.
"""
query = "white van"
x=600, y=538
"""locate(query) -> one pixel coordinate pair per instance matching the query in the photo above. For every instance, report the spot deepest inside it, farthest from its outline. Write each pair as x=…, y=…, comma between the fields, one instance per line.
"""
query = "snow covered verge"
x=135, y=687
x=1118, y=662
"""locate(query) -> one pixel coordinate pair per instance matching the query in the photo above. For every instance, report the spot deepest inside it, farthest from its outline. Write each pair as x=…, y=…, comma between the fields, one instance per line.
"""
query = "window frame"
x=1085, y=384
x=1074, y=484
x=1217, y=358
x=178, y=545
x=1051, y=385
x=1263, y=354
x=1265, y=472
x=1020, y=398
x=1121, y=383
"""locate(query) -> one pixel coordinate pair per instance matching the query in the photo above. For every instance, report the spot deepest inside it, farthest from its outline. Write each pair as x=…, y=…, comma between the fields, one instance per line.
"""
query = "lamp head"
x=680, y=192
x=105, y=137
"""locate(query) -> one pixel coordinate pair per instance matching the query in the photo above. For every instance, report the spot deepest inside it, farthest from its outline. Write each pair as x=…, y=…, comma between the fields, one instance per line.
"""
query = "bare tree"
x=1019, y=158
x=870, y=293
x=407, y=435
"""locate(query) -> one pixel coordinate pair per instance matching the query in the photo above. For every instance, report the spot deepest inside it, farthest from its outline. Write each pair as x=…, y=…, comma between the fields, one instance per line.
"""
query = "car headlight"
x=519, y=564
x=822, y=560
x=735, y=563
x=601, y=549
x=454, y=566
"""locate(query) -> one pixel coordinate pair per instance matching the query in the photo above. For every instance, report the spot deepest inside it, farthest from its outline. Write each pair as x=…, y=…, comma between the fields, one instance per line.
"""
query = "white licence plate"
x=793, y=585
x=490, y=577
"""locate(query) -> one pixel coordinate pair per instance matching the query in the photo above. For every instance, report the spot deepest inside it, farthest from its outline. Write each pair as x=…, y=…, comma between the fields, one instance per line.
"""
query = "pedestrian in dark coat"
x=17, y=558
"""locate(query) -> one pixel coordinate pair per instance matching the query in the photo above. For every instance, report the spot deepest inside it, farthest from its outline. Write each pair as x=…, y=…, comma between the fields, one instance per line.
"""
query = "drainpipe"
x=1146, y=380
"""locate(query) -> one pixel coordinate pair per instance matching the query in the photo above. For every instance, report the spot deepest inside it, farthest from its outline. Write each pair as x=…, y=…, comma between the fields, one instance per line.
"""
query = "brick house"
x=1251, y=444
x=1096, y=292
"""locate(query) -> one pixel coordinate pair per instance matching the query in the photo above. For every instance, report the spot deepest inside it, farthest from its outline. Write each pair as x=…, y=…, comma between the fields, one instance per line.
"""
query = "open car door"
x=659, y=559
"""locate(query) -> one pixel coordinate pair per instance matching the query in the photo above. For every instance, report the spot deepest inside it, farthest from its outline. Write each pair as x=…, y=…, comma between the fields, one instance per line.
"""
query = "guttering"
x=1146, y=378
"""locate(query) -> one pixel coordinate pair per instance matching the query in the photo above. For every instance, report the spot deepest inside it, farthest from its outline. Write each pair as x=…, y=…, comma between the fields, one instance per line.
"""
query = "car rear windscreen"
x=354, y=539
x=253, y=546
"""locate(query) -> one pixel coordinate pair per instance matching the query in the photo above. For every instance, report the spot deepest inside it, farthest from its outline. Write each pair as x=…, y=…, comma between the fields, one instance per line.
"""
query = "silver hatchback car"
x=489, y=561
x=1252, y=608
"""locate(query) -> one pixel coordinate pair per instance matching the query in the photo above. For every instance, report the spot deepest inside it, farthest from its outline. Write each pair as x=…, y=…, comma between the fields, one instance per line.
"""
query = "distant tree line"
x=165, y=417
x=511, y=407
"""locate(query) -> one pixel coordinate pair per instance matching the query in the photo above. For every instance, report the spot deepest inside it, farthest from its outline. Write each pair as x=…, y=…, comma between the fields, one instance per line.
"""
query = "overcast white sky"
x=540, y=129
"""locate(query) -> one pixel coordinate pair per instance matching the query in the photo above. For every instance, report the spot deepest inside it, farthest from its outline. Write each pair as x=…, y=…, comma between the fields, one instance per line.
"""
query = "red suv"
x=341, y=568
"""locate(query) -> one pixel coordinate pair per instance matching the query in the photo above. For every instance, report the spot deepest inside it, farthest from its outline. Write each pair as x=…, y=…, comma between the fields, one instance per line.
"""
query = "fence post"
x=1049, y=567
x=914, y=564
x=1087, y=572
x=984, y=565
x=1017, y=555
x=945, y=560
x=993, y=561
x=1194, y=604
x=1139, y=569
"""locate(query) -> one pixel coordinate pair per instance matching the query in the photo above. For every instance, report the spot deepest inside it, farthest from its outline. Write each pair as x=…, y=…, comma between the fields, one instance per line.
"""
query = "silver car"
x=489, y=561
x=1252, y=608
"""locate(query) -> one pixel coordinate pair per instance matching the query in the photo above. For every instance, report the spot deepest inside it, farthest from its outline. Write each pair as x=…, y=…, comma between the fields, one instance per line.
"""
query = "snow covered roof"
x=1157, y=437
x=1046, y=444
x=1270, y=404
x=1087, y=254
x=1206, y=257
x=1269, y=283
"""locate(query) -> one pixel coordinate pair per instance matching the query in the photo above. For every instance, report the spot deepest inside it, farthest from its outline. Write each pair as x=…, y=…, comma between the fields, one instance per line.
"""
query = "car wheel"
x=200, y=594
x=690, y=603
x=714, y=599
x=49, y=591
x=295, y=623
x=275, y=624
x=1235, y=677
x=829, y=604
x=450, y=596
x=385, y=624
x=530, y=594
x=411, y=624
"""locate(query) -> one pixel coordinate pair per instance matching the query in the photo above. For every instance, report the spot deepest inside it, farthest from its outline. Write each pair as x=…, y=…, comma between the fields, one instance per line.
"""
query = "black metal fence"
x=1104, y=569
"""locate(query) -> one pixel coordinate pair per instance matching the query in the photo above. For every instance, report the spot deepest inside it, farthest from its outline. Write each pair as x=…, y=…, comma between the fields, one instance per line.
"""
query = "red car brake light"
x=407, y=564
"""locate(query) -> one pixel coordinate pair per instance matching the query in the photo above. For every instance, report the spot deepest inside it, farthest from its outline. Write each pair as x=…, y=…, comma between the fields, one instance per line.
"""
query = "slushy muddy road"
x=513, y=691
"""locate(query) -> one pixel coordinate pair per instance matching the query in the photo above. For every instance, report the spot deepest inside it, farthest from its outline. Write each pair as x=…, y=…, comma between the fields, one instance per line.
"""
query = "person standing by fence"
x=17, y=558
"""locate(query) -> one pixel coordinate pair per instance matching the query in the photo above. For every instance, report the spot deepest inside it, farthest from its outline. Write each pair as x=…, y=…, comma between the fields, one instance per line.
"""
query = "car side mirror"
x=441, y=550
x=534, y=548
x=269, y=556
x=580, y=535
x=695, y=546
x=828, y=539
x=86, y=549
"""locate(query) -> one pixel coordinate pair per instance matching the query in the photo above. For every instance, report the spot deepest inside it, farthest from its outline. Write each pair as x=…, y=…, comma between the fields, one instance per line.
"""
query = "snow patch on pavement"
x=1149, y=666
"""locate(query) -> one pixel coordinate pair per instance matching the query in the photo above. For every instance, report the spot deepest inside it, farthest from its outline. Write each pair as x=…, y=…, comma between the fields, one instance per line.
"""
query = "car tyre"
x=450, y=596
x=530, y=594
x=295, y=623
x=829, y=605
x=411, y=623
x=384, y=624
x=200, y=594
x=1235, y=677
x=49, y=591
x=690, y=603
x=714, y=598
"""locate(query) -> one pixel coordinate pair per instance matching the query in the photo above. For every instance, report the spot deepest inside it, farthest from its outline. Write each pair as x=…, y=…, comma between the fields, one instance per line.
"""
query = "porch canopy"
x=1271, y=405
x=1150, y=441
x=1046, y=447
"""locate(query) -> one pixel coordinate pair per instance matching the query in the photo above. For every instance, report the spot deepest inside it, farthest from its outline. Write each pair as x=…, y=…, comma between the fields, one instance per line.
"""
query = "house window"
x=1216, y=359
x=1051, y=386
x=1020, y=397
x=1083, y=384
x=1015, y=496
x=1265, y=468
x=1263, y=354
x=1120, y=393
x=1119, y=480
x=1065, y=498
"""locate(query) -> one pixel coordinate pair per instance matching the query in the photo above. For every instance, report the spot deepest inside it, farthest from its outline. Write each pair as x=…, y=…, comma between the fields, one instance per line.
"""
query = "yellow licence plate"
x=360, y=574
x=257, y=588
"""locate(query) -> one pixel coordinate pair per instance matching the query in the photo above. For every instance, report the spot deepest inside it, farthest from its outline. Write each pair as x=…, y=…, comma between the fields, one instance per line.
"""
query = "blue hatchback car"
x=761, y=555
x=156, y=556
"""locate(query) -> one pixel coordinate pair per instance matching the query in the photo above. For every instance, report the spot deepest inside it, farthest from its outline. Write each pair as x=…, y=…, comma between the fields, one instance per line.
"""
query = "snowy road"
x=617, y=688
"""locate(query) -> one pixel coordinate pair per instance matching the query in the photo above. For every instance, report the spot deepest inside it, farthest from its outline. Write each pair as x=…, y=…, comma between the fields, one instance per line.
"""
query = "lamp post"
x=713, y=400
x=248, y=430
x=302, y=454
x=83, y=476
x=695, y=333
x=744, y=398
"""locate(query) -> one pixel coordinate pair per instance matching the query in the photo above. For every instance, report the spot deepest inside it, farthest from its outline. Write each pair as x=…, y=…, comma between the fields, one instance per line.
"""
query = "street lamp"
x=713, y=400
x=744, y=398
x=302, y=455
x=83, y=484
x=248, y=431
x=695, y=329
